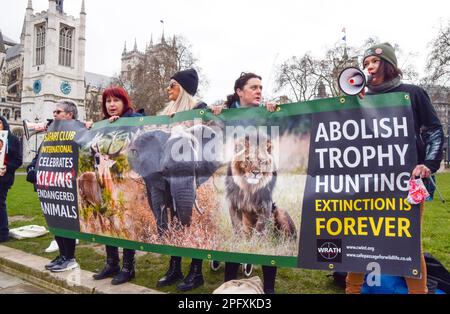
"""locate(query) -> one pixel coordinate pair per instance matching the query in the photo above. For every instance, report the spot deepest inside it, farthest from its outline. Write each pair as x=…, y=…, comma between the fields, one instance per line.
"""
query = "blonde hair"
x=184, y=102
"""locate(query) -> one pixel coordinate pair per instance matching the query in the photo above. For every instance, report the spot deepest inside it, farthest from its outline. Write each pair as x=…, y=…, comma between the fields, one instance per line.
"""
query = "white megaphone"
x=31, y=129
x=352, y=81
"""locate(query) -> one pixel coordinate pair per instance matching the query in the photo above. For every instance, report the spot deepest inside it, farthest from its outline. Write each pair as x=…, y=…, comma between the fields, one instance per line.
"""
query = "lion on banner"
x=250, y=183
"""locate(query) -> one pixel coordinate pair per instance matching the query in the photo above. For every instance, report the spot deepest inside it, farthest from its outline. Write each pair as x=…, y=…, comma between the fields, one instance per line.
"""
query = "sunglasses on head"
x=172, y=85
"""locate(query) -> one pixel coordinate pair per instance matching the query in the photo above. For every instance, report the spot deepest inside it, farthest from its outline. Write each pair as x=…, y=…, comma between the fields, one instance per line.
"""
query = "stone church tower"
x=130, y=60
x=54, y=59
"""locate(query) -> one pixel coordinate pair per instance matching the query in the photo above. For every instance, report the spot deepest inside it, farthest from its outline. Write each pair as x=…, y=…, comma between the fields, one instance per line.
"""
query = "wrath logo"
x=329, y=250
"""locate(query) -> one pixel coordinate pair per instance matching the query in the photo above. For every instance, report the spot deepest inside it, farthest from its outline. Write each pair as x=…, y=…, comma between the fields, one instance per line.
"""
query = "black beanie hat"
x=384, y=51
x=188, y=79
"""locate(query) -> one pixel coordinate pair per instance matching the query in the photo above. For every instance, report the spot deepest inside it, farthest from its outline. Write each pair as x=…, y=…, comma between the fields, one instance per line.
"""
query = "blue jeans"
x=4, y=231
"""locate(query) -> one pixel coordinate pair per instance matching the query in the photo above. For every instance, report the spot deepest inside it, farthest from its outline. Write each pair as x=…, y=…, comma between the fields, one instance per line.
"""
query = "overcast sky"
x=231, y=36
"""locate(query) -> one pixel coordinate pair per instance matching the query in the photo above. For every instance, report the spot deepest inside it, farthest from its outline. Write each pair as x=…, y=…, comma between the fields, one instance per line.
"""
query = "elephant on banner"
x=173, y=165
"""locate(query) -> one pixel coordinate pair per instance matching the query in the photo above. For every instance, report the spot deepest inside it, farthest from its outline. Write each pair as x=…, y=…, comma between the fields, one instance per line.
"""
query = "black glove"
x=31, y=175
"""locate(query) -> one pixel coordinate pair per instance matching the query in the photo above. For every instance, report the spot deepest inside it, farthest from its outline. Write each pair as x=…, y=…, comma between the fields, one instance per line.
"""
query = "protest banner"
x=320, y=184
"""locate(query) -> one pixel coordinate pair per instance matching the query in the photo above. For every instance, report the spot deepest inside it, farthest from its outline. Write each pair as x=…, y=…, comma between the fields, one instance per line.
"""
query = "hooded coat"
x=14, y=155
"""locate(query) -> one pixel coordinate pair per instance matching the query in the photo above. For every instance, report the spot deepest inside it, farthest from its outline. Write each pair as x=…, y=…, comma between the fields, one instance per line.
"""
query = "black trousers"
x=112, y=256
x=4, y=231
x=195, y=261
x=66, y=247
x=269, y=273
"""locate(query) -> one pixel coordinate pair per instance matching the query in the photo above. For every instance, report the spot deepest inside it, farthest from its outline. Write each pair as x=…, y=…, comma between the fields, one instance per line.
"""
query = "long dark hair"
x=390, y=72
x=239, y=84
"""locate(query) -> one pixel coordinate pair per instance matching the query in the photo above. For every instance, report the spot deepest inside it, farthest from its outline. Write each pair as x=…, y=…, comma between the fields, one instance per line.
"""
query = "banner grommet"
x=209, y=256
x=202, y=112
x=342, y=100
x=273, y=262
x=407, y=97
x=415, y=272
x=331, y=266
x=278, y=109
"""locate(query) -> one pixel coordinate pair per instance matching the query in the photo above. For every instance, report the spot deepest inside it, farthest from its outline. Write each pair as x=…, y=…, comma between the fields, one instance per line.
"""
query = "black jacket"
x=431, y=140
x=14, y=155
x=201, y=105
x=131, y=114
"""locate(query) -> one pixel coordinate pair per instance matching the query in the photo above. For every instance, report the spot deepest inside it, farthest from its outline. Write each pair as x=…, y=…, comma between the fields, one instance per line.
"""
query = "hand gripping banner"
x=321, y=184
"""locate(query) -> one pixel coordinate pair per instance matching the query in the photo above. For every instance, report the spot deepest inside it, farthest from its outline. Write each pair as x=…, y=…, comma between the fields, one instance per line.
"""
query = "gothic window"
x=6, y=114
x=13, y=77
x=40, y=44
x=65, y=46
x=17, y=115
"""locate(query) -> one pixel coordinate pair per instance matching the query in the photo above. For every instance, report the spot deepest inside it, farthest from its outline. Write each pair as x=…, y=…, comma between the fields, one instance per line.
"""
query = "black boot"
x=195, y=277
x=173, y=274
x=112, y=267
x=269, y=273
x=127, y=273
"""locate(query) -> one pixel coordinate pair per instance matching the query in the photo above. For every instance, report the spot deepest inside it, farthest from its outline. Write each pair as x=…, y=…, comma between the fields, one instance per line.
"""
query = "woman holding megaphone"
x=380, y=62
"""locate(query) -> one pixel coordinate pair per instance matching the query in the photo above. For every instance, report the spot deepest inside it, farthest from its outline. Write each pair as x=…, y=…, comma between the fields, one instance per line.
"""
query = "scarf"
x=384, y=87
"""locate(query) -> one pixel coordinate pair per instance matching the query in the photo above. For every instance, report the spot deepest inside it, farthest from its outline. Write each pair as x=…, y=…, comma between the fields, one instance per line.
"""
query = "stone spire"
x=83, y=8
x=345, y=56
x=125, y=48
x=30, y=5
x=135, y=45
x=22, y=34
x=52, y=6
x=321, y=90
x=163, y=40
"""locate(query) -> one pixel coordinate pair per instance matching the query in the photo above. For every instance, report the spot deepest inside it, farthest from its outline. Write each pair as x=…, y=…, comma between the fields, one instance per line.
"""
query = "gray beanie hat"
x=384, y=51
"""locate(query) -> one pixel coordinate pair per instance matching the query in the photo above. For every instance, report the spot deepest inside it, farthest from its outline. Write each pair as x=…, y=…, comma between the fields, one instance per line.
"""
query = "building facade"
x=10, y=82
x=46, y=66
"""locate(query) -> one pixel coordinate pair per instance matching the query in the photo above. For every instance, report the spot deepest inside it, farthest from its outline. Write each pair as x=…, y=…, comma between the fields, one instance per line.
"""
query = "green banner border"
x=314, y=106
x=280, y=261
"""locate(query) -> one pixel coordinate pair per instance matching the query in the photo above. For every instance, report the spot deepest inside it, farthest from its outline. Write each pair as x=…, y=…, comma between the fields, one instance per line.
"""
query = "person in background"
x=116, y=104
x=182, y=88
x=65, y=110
x=248, y=93
x=12, y=161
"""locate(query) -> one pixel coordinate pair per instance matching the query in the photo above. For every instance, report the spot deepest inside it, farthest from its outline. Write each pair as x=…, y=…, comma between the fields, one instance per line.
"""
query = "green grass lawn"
x=22, y=201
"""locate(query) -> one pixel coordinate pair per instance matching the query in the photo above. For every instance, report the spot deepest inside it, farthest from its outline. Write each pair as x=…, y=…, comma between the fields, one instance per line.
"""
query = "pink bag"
x=417, y=192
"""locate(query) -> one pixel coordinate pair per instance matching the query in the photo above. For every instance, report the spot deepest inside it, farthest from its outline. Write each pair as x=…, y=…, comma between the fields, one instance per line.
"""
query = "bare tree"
x=152, y=74
x=301, y=77
x=295, y=75
x=438, y=63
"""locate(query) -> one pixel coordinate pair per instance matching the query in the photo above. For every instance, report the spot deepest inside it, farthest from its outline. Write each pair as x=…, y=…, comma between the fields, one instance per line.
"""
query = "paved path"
x=13, y=285
x=31, y=268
